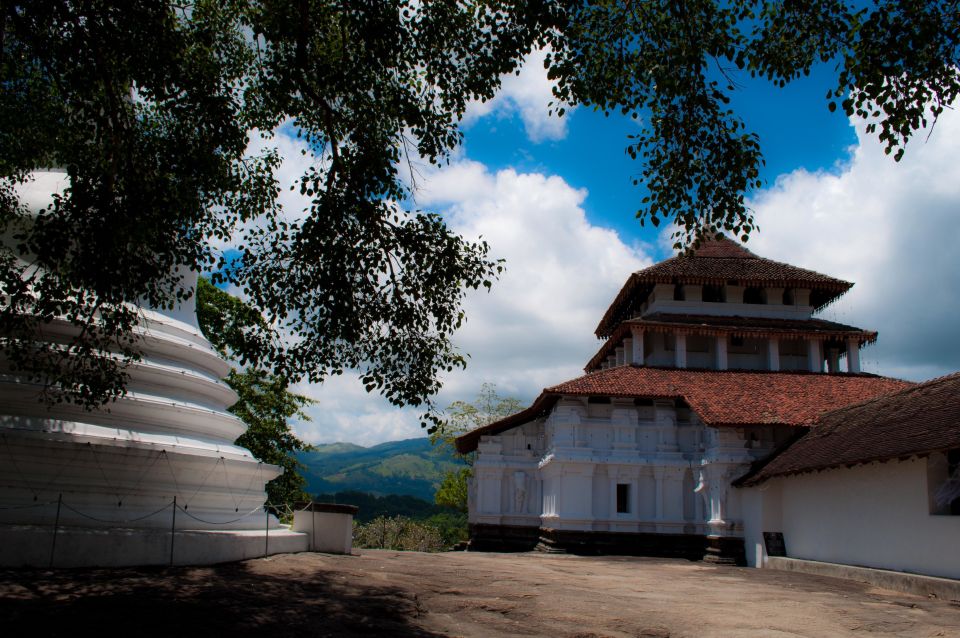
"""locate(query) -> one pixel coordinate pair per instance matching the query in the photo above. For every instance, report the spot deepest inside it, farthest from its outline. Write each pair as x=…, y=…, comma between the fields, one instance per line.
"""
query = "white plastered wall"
x=875, y=515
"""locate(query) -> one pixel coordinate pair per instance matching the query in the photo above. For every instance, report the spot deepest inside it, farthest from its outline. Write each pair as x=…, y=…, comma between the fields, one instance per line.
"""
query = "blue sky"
x=796, y=129
x=554, y=198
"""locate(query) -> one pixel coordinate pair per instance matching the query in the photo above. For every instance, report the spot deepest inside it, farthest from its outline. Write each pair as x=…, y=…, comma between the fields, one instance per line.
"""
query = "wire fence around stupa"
x=282, y=511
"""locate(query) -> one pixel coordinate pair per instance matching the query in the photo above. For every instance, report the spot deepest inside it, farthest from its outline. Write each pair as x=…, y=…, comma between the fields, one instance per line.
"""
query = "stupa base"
x=36, y=546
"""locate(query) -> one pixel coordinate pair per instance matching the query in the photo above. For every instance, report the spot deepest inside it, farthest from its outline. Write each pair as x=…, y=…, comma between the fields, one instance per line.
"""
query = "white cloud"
x=894, y=230
x=528, y=95
x=534, y=329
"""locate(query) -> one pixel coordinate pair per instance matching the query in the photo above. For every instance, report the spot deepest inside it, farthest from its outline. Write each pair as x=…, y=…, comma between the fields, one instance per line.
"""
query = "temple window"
x=623, y=498
x=713, y=294
x=753, y=295
x=678, y=293
x=943, y=482
x=697, y=343
x=788, y=297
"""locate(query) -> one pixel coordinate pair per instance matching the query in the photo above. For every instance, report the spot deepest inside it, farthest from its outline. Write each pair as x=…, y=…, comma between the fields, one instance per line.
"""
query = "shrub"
x=398, y=533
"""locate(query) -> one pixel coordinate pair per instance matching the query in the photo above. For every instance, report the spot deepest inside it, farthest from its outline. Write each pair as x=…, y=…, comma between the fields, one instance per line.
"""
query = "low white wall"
x=329, y=527
x=874, y=515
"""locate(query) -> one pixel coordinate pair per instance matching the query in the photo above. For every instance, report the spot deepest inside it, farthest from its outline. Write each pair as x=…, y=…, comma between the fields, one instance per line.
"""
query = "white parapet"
x=329, y=526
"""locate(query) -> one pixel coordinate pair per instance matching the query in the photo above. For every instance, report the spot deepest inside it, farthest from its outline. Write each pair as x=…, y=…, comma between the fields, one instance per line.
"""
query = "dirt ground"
x=384, y=593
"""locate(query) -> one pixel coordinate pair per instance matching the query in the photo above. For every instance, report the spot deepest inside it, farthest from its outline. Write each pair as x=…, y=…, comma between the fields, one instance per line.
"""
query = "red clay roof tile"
x=921, y=419
x=716, y=262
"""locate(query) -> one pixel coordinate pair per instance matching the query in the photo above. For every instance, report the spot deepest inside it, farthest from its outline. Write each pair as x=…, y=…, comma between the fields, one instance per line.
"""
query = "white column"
x=833, y=360
x=658, y=492
x=680, y=351
x=637, y=344
x=853, y=355
x=814, y=356
x=773, y=354
x=619, y=356
x=611, y=361
x=721, y=348
x=628, y=351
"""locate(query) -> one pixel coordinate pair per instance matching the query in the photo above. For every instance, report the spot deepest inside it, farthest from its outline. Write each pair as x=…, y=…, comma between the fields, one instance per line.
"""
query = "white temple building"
x=709, y=362
x=152, y=478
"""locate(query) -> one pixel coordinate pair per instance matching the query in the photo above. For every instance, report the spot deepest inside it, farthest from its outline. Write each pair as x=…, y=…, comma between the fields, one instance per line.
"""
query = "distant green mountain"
x=410, y=467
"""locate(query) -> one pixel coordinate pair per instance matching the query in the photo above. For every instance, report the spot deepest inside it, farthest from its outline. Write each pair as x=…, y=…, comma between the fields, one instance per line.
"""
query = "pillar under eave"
x=680, y=350
x=773, y=354
x=814, y=355
x=720, y=343
x=637, y=345
x=853, y=356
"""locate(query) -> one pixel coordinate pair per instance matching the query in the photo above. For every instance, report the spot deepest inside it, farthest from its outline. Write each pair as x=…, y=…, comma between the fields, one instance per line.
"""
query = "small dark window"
x=753, y=295
x=953, y=471
x=623, y=498
x=528, y=446
x=943, y=481
x=678, y=292
x=737, y=342
x=713, y=294
x=788, y=297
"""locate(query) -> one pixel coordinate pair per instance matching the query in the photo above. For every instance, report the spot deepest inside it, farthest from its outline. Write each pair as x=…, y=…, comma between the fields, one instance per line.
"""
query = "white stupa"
x=108, y=487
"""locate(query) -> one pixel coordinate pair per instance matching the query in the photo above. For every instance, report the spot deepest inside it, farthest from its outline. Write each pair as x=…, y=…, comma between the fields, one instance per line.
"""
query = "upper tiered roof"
x=717, y=262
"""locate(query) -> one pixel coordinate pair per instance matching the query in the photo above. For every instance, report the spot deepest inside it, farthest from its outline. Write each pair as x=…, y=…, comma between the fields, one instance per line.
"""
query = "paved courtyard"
x=383, y=593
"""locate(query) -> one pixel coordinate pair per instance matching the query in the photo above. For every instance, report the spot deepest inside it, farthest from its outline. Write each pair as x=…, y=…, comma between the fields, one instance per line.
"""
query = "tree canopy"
x=150, y=107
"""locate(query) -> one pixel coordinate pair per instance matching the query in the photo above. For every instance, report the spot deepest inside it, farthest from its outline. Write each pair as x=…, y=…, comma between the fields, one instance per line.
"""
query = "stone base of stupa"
x=37, y=546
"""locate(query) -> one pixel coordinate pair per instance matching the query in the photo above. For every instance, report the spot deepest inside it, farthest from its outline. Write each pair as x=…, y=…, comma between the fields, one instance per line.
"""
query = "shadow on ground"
x=233, y=599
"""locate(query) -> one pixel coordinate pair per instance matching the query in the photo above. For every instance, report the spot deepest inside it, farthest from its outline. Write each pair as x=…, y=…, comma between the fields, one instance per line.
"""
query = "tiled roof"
x=716, y=262
x=735, y=326
x=922, y=419
x=720, y=398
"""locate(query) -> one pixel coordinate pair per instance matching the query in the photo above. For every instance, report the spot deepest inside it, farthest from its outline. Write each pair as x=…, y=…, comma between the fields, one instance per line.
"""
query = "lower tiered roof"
x=920, y=420
x=719, y=398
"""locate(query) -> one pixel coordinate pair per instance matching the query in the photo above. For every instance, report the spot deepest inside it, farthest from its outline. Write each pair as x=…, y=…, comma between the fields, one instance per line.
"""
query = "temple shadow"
x=229, y=599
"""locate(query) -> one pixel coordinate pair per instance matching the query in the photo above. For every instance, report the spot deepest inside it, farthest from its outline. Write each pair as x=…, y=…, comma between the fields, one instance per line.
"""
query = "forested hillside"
x=409, y=467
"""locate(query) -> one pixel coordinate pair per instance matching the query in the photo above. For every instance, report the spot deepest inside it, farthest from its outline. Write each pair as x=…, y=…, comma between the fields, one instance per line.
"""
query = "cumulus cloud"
x=534, y=329
x=527, y=95
x=894, y=230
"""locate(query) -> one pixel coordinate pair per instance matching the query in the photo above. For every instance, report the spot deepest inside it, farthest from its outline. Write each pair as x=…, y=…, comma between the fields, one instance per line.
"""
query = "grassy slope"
x=409, y=467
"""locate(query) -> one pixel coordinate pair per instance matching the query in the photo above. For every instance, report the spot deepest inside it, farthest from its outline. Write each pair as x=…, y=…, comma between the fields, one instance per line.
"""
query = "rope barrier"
x=174, y=506
x=26, y=507
x=116, y=521
x=233, y=520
